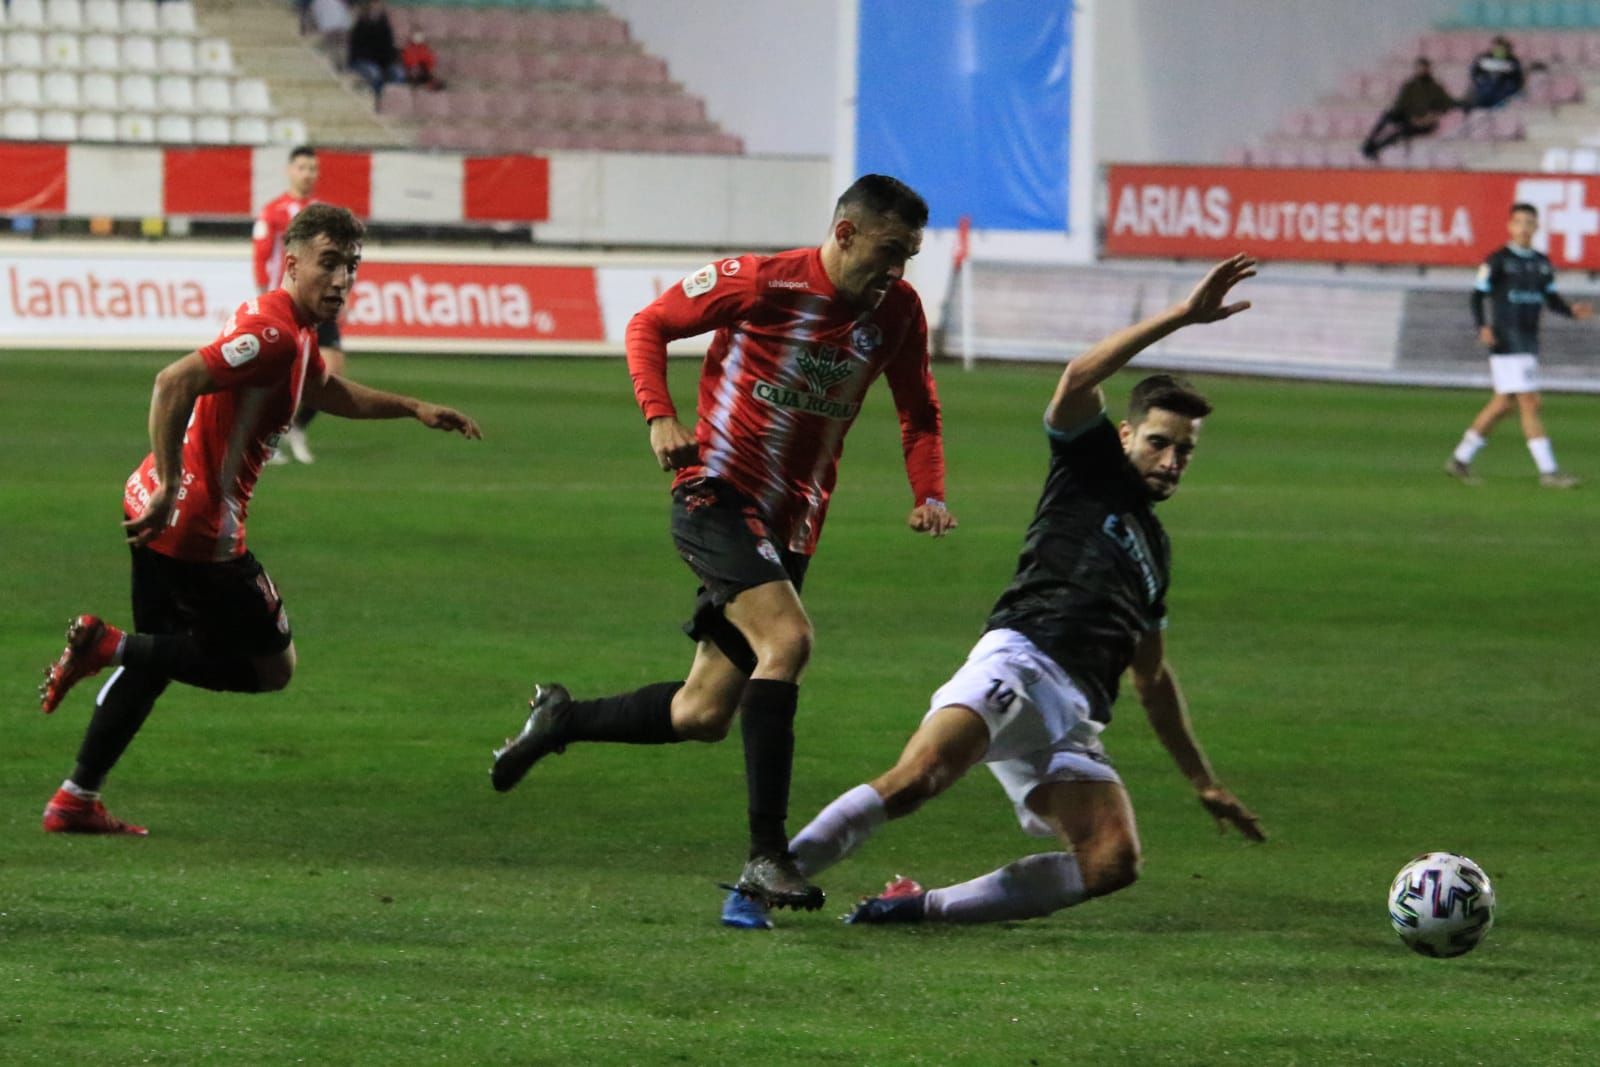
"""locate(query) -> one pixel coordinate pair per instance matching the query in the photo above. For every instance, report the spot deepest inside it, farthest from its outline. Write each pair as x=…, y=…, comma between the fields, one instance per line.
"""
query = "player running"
x=266, y=247
x=1088, y=602
x=1519, y=282
x=206, y=612
x=799, y=338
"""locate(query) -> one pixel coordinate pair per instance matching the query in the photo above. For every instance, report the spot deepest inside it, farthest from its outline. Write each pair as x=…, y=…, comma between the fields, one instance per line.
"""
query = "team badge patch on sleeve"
x=701, y=281
x=241, y=349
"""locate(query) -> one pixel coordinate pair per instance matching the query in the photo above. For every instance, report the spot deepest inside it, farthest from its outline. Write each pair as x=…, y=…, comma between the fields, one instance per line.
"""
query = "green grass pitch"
x=1378, y=660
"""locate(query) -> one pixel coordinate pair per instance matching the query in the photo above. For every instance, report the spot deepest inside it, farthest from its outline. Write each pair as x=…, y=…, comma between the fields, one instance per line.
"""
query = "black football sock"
x=125, y=704
x=642, y=717
x=303, y=417
x=767, y=725
x=183, y=658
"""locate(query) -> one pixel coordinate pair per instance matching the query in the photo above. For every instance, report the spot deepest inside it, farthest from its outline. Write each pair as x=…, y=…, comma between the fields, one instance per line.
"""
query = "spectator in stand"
x=421, y=63
x=1416, y=111
x=1496, y=76
x=331, y=20
x=373, y=56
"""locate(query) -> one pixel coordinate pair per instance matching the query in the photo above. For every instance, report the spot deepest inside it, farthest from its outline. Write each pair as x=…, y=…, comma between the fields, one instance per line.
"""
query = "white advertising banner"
x=118, y=300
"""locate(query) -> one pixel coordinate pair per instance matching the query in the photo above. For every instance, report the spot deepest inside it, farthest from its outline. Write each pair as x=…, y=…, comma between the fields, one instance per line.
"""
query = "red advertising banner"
x=1414, y=217
x=474, y=302
x=33, y=178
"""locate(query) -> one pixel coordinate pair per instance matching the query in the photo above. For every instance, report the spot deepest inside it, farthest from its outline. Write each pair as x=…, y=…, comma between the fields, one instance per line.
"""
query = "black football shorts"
x=230, y=605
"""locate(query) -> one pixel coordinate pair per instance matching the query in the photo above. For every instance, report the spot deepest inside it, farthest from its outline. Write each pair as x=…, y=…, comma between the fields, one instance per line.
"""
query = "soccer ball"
x=1441, y=904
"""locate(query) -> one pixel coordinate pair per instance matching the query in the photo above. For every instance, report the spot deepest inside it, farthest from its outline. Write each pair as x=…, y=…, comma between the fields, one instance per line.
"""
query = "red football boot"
x=68, y=814
x=91, y=644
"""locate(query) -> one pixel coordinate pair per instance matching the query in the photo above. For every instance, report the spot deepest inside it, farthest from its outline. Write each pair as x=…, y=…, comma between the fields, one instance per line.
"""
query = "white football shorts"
x=1038, y=720
x=1514, y=374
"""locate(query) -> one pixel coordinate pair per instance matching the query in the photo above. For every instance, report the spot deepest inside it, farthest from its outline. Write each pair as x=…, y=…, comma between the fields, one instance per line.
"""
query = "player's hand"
x=153, y=520
x=931, y=518
x=1226, y=808
x=1486, y=334
x=1205, y=304
x=673, y=444
x=449, y=419
x=1582, y=309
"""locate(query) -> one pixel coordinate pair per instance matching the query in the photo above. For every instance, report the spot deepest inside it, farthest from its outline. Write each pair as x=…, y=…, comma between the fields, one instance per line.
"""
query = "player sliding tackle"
x=1088, y=602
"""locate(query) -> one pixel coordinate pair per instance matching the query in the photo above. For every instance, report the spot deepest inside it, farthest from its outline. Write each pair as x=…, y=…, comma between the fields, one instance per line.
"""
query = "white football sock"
x=1026, y=889
x=78, y=791
x=1472, y=443
x=838, y=830
x=1544, y=456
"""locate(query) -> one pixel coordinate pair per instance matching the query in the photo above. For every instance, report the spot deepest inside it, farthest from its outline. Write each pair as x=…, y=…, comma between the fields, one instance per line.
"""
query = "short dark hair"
x=301, y=150
x=337, y=224
x=1524, y=206
x=1169, y=393
x=878, y=195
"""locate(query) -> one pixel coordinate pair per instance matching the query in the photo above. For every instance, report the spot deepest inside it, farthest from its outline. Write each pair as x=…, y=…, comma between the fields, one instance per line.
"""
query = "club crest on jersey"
x=866, y=337
x=241, y=349
x=701, y=281
x=766, y=551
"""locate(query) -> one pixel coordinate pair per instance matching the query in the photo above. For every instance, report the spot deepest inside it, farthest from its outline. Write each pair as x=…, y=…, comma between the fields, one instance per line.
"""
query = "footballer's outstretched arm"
x=1077, y=397
x=352, y=400
x=178, y=385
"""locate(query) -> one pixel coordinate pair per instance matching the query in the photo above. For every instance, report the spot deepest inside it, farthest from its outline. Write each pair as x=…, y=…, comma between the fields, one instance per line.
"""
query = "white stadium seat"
x=174, y=92
x=58, y=126
x=174, y=129
x=135, y=128
x=105, y=15
x=176, y=55
x=25, y=15
x=250, y=96
x=20, y=125
x=100, y=52
x=288, y=131
x=138, y=92
x=97, y=126
x=212, y=129
x=23, y=89
x=215, y=56
x=64, y=14
x=214, y=95
x=177, y=16
x=250, y=130
x=99, y=92
x=61, y=90
x=139, y=53
x=139, y=16
x=63, y=52
x=24, y=49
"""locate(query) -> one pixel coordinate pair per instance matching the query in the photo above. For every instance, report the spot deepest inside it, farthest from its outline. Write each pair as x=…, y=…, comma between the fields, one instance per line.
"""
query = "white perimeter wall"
x=1182, y=81
x=766, y=68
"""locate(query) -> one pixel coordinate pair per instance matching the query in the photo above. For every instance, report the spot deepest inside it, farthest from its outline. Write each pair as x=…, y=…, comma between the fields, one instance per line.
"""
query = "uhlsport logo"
x=823, y=371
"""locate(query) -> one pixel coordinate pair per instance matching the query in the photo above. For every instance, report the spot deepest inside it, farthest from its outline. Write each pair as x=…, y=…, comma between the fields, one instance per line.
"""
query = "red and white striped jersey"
x=784, y=378
x=266, y=238
x=261, y=360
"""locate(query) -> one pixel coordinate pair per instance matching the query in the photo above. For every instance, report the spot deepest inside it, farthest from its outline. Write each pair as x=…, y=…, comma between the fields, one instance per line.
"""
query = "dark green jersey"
x=1092, y=578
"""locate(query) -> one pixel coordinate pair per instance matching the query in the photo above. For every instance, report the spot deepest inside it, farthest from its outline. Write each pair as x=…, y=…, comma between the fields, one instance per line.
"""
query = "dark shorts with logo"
x=721, y=535
x=231, y=605
x=328, y=335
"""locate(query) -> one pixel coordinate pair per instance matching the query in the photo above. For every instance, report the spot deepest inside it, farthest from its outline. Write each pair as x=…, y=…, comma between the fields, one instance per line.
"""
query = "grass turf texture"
x=1379, y=660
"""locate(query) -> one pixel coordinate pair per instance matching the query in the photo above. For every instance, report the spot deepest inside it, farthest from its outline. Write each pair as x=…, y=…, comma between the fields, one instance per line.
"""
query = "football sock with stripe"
x=767, y=727
x=121, y=709
x=642, y=717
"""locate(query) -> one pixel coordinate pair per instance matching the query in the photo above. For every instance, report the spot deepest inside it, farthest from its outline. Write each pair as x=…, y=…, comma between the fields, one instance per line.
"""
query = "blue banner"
x=970, y=103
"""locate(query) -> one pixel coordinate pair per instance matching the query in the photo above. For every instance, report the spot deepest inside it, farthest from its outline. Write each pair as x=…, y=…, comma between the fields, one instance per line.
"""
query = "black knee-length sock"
x=767, y=725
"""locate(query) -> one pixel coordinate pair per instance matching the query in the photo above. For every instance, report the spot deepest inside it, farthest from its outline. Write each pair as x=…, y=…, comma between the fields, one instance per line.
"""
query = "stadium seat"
x=139, y=54
x=24, y=50
x=103, y=15
x=64, y=14
x=212, y=129
x=177, y=17
x=58, y=126
x=288, y=131
x=399, y=102
x=139, y=16
x=433, y=107
x=61, y=90
x=138, y=92
x=250, y=95
x=502, y=67
x=175, y=92
x=214, y=95
x=135, y=128
x=176, y=55
x=25, y=15
x=62, y=51
x=100, y=52
x=99, y=92
x=23, y=89
x=97, y=126
x=20, y=125
x=251, y=129
x=215, y=56
x=175, y=129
